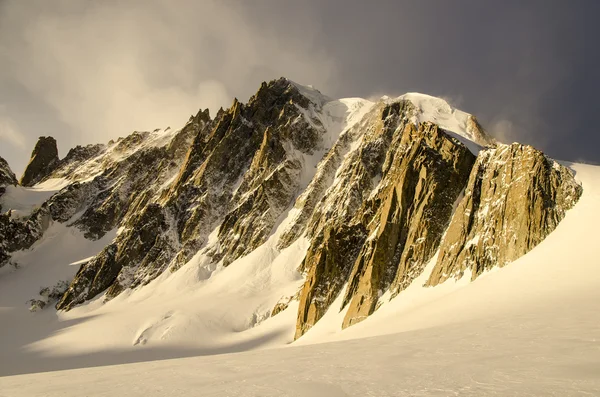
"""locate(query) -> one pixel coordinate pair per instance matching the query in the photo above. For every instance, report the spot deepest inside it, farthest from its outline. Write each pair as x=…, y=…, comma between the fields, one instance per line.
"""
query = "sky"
x=90, y=71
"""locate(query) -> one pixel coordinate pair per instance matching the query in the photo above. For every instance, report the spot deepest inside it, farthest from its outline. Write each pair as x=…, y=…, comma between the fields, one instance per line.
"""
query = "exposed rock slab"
x=423, y=179
x=516, y=196
x=328, y=263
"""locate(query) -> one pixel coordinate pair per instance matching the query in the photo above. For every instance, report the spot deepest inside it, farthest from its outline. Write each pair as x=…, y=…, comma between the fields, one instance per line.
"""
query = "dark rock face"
x=270, y=184
x=44, y=160
x=7, y=177
x=101, y=273
x=516, y=196
x=21, y=234
x=92, y=278
x=328, y=263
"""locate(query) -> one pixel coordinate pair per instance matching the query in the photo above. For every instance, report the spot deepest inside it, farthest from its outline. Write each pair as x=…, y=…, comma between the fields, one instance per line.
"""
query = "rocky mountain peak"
x=44, y=159
x=366, y=193
x=462, y=125
x=201, y=116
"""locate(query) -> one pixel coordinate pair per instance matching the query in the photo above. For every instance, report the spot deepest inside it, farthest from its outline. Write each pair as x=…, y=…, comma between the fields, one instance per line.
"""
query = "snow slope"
x=337, y=117
x=530, y=328
x=23, y=200
x=477, y=358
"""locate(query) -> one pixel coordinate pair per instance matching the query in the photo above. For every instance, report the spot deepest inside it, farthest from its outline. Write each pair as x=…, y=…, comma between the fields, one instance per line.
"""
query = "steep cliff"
x=421, y=184
x=411, y=177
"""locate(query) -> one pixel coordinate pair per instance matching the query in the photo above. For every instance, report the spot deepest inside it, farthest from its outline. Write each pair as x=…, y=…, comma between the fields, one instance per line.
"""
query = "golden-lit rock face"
x=515, y=197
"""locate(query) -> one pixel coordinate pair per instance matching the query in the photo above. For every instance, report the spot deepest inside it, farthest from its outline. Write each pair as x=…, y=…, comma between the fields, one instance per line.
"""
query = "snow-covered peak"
x=437, y=110
x=462, y=125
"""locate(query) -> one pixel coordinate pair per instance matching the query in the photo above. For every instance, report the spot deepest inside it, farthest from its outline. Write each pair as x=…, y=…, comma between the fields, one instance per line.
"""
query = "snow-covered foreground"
x=531, y=352
x=531, y=328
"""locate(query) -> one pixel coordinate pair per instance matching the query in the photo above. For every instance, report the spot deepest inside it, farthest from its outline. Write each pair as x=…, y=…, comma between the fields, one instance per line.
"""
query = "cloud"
x=9, y=133
x=88, y=71
x=108, y=68
x=503, y=130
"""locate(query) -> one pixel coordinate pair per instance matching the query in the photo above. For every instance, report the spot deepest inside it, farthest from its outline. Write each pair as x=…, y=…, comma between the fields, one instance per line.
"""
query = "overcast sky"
x=89, y=71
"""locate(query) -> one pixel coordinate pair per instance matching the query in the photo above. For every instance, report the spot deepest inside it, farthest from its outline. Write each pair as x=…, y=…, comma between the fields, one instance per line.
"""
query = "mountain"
x=268, y=216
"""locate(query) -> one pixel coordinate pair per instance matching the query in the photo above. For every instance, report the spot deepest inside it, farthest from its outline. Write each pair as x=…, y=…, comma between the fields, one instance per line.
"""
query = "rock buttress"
x=422, y=181
x=515, y=197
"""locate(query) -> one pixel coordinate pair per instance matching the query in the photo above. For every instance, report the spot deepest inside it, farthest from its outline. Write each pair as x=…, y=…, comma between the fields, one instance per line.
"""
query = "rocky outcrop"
x=477, y=133
x=516, y=196
x=44, y=160
x=7, y=177
x=136, y=175
x=17, y=234
x=420, y=173
x=328, y=263
x=422, y=181
x=272, y=181
x=101, y=273
x=68, y=167
x=334, y=200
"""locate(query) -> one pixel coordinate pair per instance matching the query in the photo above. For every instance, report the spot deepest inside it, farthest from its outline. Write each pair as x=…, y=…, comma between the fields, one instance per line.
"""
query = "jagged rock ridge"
x=241, y=172
x=105, y=184
x=397, y=181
